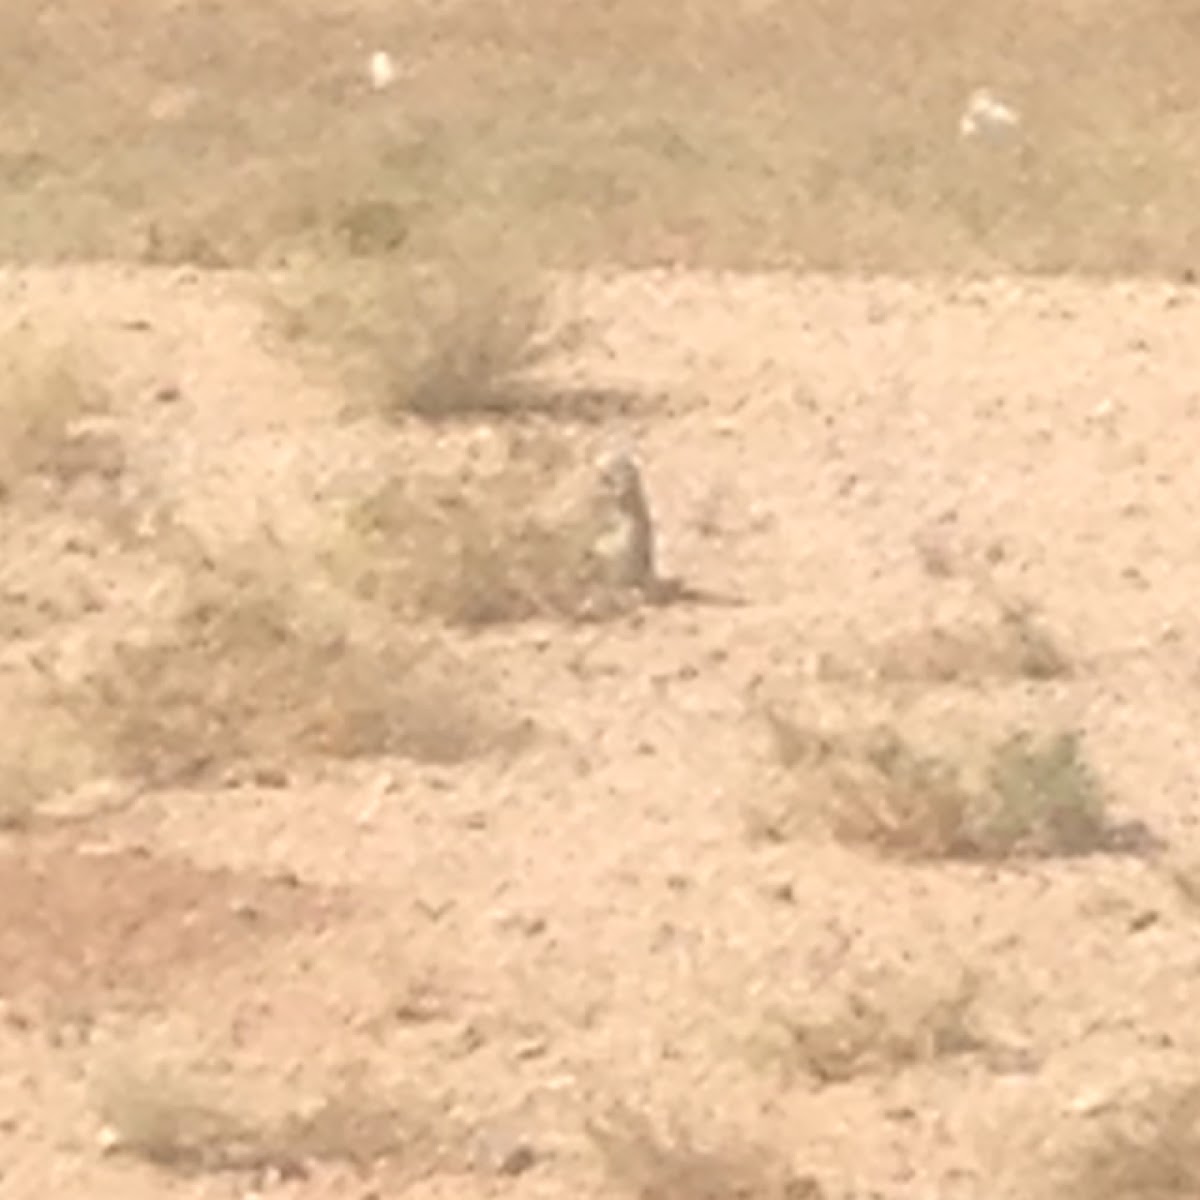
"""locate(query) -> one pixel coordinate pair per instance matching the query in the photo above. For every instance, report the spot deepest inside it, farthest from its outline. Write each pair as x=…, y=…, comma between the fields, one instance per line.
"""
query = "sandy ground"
x=520, y=943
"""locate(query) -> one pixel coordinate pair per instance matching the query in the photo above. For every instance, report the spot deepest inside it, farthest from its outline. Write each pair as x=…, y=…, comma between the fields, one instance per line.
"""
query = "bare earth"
x=531, y=943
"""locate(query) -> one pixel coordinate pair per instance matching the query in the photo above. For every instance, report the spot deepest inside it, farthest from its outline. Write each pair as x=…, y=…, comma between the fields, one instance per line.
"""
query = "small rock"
x=525, y=924
x=269, y=776
x=503, y=1152
x=1090, y=1102
x=381, y=70
x=531, y=1048
x=518, y=1160
x=987, y=116
x=245, y=910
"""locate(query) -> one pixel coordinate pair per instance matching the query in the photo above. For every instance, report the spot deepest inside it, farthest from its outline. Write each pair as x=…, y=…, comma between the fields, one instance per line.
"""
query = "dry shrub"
x=187, y=1123
x=478, y=343
x=509, y=543
x=1043, y=793
x=1016, y=646
x=249, y=671
x=647, y=1165
x=47, y=391
x=166, y=1120
x=874, y=1029
x=445, y=330
x=1020, y=794
x=1152, y=1153
x=886, y=794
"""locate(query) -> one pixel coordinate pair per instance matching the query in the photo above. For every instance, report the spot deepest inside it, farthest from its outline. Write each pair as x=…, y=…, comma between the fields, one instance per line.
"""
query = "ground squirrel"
x=624, y=548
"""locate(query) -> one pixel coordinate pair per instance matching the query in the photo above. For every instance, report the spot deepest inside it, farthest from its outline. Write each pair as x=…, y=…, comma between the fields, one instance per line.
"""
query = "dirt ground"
x=578, y=965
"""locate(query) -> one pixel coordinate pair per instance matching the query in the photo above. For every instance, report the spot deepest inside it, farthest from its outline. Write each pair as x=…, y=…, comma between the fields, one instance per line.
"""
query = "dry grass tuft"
x=1184, y=874
x=1023, y=794
x=254, y=668
x=45, y=751
x=1016, y=646
x=166, y=1120
x=47, y=392
x=1152, y=1154
x=649, y=1166
x=179, y=1122
x=873, y=1030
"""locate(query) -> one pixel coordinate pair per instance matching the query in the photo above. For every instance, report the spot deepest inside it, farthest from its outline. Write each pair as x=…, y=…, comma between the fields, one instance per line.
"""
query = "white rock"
x=381, y=70
x=986, y=115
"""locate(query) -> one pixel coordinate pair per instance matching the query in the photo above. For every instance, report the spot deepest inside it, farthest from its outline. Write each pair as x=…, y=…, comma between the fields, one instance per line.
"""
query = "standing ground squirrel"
x=623, y=547
x=623, y=550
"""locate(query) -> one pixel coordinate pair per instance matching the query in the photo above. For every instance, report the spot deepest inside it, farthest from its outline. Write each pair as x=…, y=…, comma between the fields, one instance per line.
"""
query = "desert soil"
x=533, y=940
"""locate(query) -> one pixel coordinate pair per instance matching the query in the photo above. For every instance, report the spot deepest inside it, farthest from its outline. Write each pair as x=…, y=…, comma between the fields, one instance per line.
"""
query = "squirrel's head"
x=620, y=477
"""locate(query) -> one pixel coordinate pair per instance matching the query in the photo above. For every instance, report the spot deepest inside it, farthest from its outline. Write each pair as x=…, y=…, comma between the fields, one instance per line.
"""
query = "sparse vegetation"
x=407, y=240
x=179, y=1121
x=507, y=543
x=165, y=1120
x=873, y=1030
x=44, y=752
x=650, y=1166
x=250, y=670
x=47, y=390
x=901, y=800
x=1037, y=652
x=1044, y=794
x=444, y=335
x=1026, y=794
x=719, y=152
x=1016, y=646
